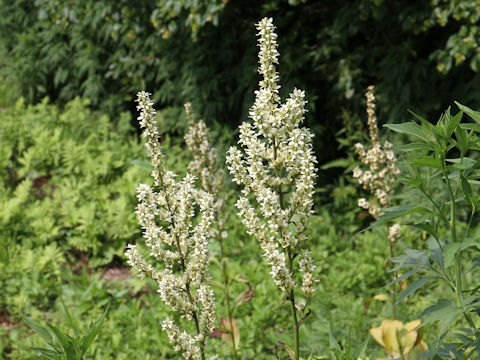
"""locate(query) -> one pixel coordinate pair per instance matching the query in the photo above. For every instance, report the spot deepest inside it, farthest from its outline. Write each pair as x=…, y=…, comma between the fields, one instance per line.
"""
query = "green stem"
x=457, y=268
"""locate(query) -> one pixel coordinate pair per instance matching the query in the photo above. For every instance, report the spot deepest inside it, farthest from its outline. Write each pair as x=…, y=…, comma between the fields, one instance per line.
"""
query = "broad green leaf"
x=408, y=128
x=414, y=287
x=427, y=161
x=414, y=147
x=475, y=115
x=39, y=329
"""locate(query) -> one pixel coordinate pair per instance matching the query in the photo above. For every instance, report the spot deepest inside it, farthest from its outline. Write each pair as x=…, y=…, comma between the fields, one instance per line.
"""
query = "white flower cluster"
x=394, y=232
x=277, y=171
x=165, y=212
x=381, y=162
x=205, y=166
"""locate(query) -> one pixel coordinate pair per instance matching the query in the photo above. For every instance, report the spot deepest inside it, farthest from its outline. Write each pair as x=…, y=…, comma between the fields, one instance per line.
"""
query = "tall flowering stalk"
x=165, y=212
x=205, y=166
x=380, y=176
x=276, y=167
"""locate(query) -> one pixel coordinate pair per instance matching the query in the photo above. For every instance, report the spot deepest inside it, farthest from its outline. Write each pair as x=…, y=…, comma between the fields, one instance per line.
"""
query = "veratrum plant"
x=448, y=151
x=205, y=167
x=276, y=167
x=178, y=241
x=380, y=177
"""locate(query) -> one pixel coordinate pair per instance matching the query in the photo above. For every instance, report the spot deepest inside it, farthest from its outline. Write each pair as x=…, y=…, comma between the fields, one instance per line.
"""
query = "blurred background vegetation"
x=70, y=157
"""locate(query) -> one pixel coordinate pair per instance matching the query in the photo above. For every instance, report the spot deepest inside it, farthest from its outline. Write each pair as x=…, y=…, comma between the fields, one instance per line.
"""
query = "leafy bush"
x=67, y=182
x=448, y=151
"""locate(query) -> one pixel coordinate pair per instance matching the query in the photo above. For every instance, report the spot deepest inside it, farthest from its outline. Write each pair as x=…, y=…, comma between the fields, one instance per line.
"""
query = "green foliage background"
x=204, y=52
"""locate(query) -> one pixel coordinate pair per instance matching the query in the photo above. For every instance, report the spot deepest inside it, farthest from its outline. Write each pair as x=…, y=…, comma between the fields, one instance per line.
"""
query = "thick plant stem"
x=291, y=296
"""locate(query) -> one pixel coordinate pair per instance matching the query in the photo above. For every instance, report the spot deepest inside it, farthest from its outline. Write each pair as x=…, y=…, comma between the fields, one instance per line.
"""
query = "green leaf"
x=404, y=276
x=63, y=339
x=470, y=126
x=462, y=140
x=414, y=147
x=408, y=128
x=467, y=190
x=443, y=311
x=70, y=319
x=453, y=248
x=397, y=212
x=449, y=253
x=414, y=287
x=428, y=161
x=475, y=115
x=47, y=353
x=452, y=124
x=94, y=329
x=337, y=163
x=39, y=329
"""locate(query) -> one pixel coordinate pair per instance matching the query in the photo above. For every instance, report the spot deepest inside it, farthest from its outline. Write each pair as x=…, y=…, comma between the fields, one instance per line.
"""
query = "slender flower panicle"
x=276, y=166
x=380, y=161
x=204, y=164
x=165, y=213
